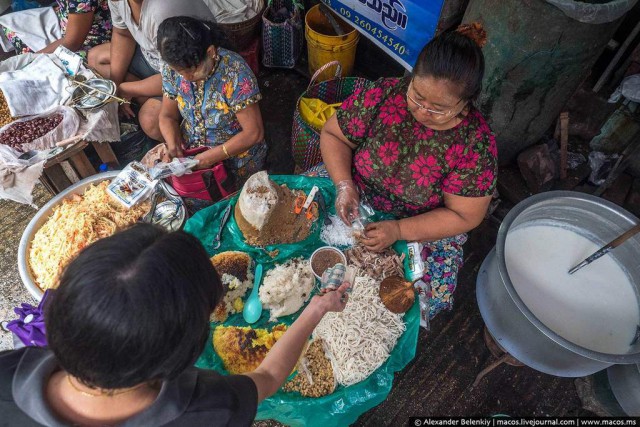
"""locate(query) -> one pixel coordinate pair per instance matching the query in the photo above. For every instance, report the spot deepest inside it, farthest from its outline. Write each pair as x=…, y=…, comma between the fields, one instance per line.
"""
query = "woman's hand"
x=380, y=235
x=174, y=150
x=347, y=201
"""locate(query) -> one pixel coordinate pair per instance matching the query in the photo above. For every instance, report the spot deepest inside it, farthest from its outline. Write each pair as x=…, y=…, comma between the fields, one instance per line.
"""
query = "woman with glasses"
x=417, y=148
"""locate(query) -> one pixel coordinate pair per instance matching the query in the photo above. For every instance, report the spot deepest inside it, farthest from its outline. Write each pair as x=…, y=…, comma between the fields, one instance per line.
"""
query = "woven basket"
x=305, y=140
x=282, y=41
x=241, y=34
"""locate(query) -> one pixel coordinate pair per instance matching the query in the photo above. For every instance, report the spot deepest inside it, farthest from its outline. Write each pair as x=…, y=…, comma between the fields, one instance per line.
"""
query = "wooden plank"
x=82, y=164
x=65, y=154
x=106, y=154
x=58, y=179
x=70, y=172
x=564, y=142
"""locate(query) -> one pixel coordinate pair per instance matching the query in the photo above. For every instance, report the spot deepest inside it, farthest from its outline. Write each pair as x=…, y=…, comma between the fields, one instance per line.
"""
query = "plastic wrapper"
x=345, y=404
x=593, y=13
x=360, y=223
x=629, y=88
x=601, y=164
x=177, y=167
x=65, y=129
x=424, y=294
x=132, y=185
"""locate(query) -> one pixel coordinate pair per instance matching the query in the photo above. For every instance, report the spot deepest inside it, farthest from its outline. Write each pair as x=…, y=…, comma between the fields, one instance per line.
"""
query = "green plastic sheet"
x=346, y=404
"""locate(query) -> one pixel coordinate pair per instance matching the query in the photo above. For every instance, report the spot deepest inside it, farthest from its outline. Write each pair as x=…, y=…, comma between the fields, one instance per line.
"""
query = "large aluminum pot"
x=44, y=213
x=507, y=317
x=625, y=384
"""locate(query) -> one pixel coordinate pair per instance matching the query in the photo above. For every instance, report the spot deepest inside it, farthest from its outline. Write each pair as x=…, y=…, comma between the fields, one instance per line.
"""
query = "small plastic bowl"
x=323, y=249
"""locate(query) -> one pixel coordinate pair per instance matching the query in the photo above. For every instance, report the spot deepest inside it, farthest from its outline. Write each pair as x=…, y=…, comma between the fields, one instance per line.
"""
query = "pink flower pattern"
x=426, y=171
x=363, y=162
x=388, y=152
x=372, y=97
x=406, y=167
x=356, y=127
x=393, y=185
x=393, y=111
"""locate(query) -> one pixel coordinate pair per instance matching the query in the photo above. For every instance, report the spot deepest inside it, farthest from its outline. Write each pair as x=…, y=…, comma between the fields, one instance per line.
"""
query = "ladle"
x=253, y=307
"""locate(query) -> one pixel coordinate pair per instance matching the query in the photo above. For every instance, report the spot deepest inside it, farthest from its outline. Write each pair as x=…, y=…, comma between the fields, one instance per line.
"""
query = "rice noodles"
x=361, y=337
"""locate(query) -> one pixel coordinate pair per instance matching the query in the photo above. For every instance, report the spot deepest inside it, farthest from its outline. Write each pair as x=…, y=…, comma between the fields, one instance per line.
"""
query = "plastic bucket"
x=323, y=45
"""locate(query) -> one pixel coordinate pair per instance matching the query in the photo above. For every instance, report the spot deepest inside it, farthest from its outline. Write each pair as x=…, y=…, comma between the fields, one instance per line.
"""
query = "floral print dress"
x=209, y=109
x=99, y=33
x=404, y=168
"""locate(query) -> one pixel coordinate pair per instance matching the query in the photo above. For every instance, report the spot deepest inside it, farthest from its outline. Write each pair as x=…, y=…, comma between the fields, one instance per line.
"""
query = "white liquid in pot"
x=596, y=307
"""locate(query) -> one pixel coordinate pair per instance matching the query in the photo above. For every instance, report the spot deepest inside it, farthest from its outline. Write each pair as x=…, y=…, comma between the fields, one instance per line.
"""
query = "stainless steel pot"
x=511, y=322
x=625, y=384
x=44, y=213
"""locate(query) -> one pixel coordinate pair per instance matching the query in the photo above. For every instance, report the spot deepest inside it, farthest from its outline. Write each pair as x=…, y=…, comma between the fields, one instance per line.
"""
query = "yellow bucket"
x=323, y=45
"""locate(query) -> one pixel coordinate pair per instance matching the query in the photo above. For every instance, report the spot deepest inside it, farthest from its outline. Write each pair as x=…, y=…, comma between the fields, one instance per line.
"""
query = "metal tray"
x=42, y=216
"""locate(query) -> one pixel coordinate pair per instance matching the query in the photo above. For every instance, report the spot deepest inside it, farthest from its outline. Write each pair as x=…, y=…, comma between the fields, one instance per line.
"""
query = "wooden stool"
x=72, y=164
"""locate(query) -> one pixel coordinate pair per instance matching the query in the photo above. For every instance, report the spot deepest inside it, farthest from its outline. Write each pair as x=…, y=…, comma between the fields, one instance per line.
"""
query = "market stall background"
x=440, y=379
x=448, y=358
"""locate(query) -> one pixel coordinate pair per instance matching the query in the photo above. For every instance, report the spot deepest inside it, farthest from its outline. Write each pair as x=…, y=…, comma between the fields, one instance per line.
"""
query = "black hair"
x=183, y=41
x=454, y=57
x=133, y=307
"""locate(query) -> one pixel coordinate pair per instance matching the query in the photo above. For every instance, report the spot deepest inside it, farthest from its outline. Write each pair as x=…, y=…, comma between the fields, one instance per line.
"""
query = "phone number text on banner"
x=400, y=27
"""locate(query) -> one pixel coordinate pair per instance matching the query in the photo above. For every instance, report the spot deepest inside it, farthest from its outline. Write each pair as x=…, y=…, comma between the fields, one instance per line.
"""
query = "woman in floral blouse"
x=214, y=94
x=84, y=24
x=417, y=148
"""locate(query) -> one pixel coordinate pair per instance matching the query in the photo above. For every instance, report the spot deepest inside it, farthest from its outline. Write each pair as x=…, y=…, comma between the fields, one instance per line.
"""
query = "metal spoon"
x=154, y=202
x=225, y=216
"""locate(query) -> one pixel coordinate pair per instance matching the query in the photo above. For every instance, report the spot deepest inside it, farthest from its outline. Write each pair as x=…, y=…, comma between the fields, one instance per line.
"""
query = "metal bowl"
x=86, y=100
x=44, y=213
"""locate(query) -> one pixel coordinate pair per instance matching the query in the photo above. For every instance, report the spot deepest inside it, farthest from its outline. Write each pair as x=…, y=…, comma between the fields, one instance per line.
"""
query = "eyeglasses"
x=428, y=110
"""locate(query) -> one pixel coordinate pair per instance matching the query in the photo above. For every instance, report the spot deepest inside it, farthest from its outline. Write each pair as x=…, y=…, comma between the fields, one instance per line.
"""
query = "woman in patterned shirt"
x=416, y=147
x=214, y=94
x=84, y=24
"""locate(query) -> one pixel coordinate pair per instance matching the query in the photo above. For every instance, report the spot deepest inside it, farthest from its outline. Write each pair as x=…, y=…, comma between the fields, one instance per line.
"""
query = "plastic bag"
x=590, y=13
x=601, y=164
x=628, y=88
x=66, y=129
x=19, y=176
x=345, y=404
x=176, y=167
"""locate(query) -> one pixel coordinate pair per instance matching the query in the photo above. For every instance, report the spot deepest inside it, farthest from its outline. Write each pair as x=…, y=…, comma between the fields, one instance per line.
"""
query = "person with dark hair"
x=132, y=60
x=214, y=94
x=125, y=326
x=417, y=148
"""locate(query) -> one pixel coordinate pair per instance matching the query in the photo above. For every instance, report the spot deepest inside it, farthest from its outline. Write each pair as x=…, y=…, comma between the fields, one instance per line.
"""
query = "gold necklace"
x=109, y=394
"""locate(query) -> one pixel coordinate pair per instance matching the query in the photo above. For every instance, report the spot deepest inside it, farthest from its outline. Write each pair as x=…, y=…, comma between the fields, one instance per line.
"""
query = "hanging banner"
x=400, y=27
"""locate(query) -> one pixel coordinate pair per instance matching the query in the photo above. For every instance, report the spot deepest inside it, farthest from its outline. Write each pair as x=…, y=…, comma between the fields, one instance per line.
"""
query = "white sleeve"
x=116, y=17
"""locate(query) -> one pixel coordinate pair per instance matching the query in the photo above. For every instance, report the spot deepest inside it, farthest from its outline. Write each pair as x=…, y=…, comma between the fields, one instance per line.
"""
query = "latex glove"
x=347, y=201
x=380, y=235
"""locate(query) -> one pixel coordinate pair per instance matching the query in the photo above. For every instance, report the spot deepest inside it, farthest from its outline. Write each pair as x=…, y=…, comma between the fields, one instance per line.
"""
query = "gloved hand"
x=347, y=201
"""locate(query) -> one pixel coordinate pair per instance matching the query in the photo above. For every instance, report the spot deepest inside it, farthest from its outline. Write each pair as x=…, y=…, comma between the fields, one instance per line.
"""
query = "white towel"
x=37, y=28
x=36, y=88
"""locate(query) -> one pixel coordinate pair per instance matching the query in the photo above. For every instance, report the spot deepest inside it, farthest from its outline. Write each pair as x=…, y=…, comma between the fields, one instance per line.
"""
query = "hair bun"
x=475, y=32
